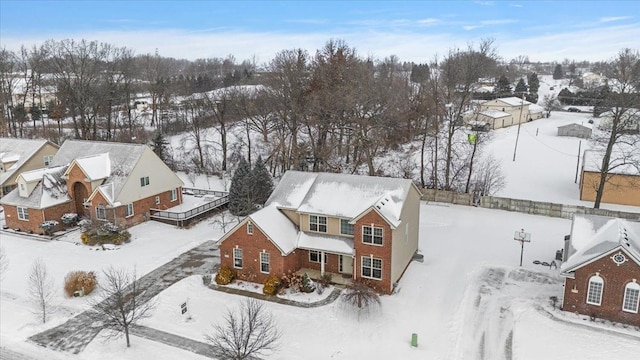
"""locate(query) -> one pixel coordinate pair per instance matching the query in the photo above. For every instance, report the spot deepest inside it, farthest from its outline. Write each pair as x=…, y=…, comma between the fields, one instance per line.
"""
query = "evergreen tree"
x=558, y=73
x=261, y=181
x=419, y=73
x=239, y=191
x=534, y=83
x=503, y=88
x=159, y=146
x=521, y=87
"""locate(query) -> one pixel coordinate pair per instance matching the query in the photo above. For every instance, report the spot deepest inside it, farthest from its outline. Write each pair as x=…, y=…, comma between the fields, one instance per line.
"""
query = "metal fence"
x=179, y=217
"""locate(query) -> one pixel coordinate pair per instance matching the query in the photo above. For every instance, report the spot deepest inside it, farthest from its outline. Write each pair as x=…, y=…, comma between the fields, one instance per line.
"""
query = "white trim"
x=144, y=181
x=268, y=262
x=249, y=228
x=373, y=236
x=104, y=211
x=596, y=258
x=238, y=258
x=320, y=253
x=157, y=200
x=318, y=223
x=25, y=211
x=631, y=287
x=348, y=223
x=173, y=195
x=362, y=258
x=128, y=214
x=595, y=280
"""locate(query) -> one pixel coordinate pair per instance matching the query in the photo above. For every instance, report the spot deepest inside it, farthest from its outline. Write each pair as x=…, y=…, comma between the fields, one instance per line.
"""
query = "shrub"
x=85, y=225
x=79, y=280
x=325, y=280
x=206, y=279
x=107, y=233
x=359, y=294
x=292, y=280
x=271, y=285
x=224, y=276
x=307, y=285
x=69, y=219
x=48, y=225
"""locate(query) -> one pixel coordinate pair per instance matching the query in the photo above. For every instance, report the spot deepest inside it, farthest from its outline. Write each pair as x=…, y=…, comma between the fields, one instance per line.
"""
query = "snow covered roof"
x=328, y=243
x=535, y=109
x=495, y=114
x=574, y=125
x=513, y=101
x=18, y=151
x=622, y=162
x=341, y=195
x=50, y=191
x=276, y=226
x=102, y=160
x=96, y=167
x=593, y=236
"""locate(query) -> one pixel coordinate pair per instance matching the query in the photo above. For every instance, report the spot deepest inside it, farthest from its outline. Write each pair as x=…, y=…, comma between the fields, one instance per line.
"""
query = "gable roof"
x=341, y=195
x=496, y=114
x=51, y=189
x=102, y=160
x=18, y=151
x=575, y=126
x=593, y=236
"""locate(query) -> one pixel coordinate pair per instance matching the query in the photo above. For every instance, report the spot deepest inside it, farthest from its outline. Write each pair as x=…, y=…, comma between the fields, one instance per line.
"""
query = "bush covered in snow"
x=107, y=233
x=69, y=219
x=80, y=281
x=85, y=225
x=48, y=226
x=307, y=285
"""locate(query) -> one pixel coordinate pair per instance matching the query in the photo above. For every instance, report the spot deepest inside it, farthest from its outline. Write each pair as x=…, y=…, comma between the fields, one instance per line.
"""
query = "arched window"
x=631, y=297
x=594, y=293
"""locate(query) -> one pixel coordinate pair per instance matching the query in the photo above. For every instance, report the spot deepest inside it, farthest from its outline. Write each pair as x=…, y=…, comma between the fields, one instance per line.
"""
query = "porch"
x=336, y=278
x=196, y=203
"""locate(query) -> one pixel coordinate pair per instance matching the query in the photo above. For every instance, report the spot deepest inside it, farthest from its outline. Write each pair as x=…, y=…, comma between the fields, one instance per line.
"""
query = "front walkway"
x=328, y=300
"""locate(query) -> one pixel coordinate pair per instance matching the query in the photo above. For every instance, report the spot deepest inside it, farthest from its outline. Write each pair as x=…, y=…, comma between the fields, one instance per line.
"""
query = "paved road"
x=75, y=334
x=6, y=354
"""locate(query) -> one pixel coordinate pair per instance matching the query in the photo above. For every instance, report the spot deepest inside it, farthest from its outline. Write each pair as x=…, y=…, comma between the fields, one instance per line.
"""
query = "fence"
x=181, y=217
x=522, y=206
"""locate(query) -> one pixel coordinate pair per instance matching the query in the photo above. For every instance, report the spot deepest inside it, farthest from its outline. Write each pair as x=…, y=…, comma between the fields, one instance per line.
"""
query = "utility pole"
x=578, y=162
x=519, y=123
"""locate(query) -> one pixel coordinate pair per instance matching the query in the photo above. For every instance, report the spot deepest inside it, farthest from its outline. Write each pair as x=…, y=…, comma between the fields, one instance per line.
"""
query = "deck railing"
x=222, y=198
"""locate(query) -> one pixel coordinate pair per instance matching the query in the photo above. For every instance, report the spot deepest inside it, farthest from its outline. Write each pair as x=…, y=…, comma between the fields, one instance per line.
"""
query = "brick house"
x=358, y=227
x=623, y=178
x=101, y=181
x=602, y=268
x=20, y=155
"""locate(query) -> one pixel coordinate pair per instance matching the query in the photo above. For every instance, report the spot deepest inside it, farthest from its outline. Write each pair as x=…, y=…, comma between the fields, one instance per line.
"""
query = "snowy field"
x=468, y=299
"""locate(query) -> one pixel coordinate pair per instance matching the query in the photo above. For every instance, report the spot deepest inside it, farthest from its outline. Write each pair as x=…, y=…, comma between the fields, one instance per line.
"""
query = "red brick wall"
x=383, y=252
x=74, y=176
x=252, y=246
x=330, y=266
x=616, y=277
x=36, y=217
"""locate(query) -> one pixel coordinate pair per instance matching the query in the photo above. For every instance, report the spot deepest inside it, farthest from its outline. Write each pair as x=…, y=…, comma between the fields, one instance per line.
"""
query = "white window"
x=249, y=228
x=318, y=223
x=631, y=297
x=174, y=195
x=314, y=256
x=47, y=160
x=128, y=210
x=101, y=213
x=237, y=258
x=157, y=200
x=371, y=267
x=345, y=227
x=22, y=187
x=23, y=213
x=144, y=181
x=372, y=235
x=264, y=262
x=594, y=293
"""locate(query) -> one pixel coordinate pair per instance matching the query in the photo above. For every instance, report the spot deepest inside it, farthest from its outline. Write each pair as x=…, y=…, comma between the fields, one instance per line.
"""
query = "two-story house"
x=503, y=112
x=602, y=268
x=102, y=181
x=359, y=227
x=20, y=155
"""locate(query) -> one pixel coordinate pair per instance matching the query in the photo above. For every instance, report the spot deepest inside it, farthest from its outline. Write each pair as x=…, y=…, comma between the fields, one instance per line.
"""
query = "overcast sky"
x=411, y=30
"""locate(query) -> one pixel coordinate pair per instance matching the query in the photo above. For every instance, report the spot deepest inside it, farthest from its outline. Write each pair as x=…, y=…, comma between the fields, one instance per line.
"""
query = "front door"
x=345, y=264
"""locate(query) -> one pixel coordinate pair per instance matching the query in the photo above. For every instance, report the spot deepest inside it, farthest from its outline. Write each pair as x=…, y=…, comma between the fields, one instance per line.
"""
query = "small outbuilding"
x=575, y=130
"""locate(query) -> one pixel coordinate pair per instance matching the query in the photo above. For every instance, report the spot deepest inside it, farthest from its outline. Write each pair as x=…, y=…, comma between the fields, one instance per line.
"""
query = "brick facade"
x=252, y=245
x=382, y=252
x=616, y=277
x=36, y=217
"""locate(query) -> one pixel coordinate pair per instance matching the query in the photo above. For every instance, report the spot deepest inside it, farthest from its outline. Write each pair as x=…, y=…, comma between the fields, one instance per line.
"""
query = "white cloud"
x=498, y=22
x=470, y=27
x=600, y=43
x=429, y=21
x=613, y=18
x=516, y=5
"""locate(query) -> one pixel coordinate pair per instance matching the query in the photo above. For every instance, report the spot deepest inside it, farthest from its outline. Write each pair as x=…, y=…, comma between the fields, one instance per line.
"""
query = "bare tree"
x=126, y=301
x=4, y=262
x=41, y=289
x=360, y=295
x=489, y=178
x=617, y=145
x=247, y=332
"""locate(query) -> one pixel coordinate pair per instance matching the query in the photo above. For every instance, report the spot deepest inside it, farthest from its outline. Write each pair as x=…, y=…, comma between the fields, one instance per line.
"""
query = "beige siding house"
x=354, y=227
x=20, y=155
x=103, y=181
x=499, y=113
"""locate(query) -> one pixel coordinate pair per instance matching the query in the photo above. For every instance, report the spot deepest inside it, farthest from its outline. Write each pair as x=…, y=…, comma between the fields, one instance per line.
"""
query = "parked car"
x=590, y=121
x=573, y=109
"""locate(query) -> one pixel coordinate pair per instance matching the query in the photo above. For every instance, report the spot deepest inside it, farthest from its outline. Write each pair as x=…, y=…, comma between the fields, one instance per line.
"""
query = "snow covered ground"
x=468, y=298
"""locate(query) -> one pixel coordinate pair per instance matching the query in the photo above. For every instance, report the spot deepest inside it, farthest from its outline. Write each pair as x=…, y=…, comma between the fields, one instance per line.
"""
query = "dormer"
x=28, y=181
